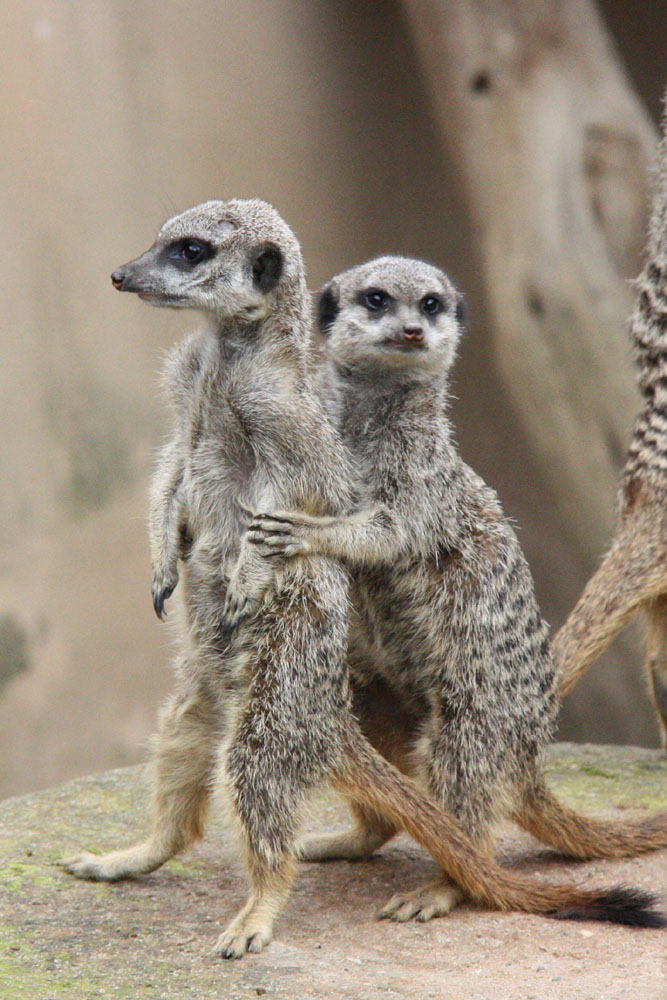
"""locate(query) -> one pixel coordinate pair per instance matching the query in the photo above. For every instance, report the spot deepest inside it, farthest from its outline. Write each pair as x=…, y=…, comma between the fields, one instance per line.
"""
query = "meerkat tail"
x=579, y=836
x=368, y=777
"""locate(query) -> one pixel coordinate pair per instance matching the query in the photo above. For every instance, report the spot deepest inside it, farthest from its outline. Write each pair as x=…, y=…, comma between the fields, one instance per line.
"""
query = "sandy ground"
x=153, y=937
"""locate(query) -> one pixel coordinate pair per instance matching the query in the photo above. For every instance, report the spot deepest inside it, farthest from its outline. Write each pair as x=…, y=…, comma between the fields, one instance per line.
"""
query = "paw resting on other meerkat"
x=285, y=533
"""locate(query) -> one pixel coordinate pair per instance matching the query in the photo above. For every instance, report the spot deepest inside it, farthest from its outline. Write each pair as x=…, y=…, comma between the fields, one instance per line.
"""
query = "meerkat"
x=266, y=708
x=446, y=615
x=633, y=576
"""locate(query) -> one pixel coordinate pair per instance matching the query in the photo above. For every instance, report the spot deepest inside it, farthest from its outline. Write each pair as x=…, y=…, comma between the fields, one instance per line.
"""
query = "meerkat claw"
x=159, y=597
x=277, y=536
x=235, y=943
x=232, y=617
x=268, y=536
x=270, y=522
x=297, y=517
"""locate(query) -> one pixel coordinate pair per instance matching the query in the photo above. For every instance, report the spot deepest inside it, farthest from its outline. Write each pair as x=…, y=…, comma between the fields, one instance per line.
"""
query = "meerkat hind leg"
x=433, y=899
x=657, y=661
x=439, y=897
x=185, y=756
x=370, y=833
x=389, y=725
x=629, y=576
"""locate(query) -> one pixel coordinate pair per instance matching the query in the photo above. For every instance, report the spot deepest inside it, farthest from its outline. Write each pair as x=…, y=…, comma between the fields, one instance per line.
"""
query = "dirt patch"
x=152, y=937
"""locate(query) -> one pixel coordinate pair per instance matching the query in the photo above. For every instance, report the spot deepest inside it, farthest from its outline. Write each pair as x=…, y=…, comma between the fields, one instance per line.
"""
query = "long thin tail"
x=577, y=836
x=372, y=780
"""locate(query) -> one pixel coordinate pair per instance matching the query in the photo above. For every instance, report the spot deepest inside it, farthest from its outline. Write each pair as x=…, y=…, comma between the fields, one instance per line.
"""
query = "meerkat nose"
x=117, y=279
x=413, y=333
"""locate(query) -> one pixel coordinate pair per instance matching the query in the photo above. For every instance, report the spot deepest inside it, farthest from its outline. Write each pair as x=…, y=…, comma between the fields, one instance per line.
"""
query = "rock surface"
x=152, y=937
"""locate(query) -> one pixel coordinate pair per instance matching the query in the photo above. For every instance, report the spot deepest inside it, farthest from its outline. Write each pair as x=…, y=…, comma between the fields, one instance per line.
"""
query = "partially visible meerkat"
x=446, y=615
x=267, y=709
x=633, y=576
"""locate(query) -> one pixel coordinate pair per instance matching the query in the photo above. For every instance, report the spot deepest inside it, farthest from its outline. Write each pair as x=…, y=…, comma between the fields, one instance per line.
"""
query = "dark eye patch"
x=375, y=299
x=432, y=305
x=187, y=253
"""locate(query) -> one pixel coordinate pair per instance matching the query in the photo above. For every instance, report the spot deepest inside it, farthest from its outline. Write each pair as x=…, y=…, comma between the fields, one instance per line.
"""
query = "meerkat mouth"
x=405, y=345
x=157, y=299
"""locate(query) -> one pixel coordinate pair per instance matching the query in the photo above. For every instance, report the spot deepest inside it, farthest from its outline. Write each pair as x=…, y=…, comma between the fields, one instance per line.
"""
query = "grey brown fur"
x=445, y=611
x=266, y=709
x=633, y=576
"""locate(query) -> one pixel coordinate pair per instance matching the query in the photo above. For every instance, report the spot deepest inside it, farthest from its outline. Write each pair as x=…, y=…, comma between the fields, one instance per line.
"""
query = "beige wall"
x=116, y=114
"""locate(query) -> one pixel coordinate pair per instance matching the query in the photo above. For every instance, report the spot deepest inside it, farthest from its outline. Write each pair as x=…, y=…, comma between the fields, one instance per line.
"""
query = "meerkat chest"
x=221, y=468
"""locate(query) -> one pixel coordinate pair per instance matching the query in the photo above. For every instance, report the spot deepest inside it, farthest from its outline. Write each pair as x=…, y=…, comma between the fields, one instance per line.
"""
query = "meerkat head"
x=233, y=259
x=394, y=313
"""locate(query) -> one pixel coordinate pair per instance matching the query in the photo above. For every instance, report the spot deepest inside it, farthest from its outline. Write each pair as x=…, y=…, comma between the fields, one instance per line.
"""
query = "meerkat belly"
x=422, y=627
x=396, y=612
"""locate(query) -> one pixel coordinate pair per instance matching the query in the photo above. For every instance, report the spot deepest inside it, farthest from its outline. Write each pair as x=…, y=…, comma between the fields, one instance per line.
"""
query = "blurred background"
x=477, y=135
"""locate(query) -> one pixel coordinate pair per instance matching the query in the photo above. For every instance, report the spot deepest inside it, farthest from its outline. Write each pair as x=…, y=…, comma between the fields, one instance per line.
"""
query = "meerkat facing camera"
x=446, y=614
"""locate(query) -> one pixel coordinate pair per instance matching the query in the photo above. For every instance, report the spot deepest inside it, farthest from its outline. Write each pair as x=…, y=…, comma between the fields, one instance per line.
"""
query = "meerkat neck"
x=398, y=390
x=384, y=382
x=283, y=336
x=411, y=410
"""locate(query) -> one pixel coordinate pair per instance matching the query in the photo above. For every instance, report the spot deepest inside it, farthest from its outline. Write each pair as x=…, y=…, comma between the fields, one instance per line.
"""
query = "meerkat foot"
x=116, y=865
x=347, y=845
x=250, y=931
x=435, y=899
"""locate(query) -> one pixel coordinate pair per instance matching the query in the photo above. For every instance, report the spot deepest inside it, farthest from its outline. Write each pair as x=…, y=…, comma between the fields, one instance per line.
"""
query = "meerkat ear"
x=327, y=308
x=460, y=311
x=267, y=267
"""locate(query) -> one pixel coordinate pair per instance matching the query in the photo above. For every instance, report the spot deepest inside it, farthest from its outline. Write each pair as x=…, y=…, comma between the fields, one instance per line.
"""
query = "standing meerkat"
x=267, y=708
x=633, y=576
x=446, y=615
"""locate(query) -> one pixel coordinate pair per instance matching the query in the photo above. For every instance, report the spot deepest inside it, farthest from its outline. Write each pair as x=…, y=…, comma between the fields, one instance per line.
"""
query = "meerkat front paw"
x=238, y=606
x=285, y=533
x=249, y=581
x=162, y=587
x=435, y=899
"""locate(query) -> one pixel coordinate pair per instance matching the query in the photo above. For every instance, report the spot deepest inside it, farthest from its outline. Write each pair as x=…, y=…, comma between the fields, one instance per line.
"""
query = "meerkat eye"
x=189, y=252
x=192, y=252
x=431, y=305
x=375, y=300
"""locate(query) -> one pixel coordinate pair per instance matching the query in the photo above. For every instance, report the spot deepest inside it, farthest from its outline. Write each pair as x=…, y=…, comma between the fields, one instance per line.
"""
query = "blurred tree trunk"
x=554, y=151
